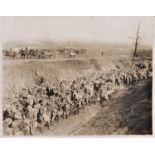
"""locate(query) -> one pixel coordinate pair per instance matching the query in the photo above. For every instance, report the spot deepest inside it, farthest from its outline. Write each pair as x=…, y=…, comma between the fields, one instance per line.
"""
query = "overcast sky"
x=103, y=29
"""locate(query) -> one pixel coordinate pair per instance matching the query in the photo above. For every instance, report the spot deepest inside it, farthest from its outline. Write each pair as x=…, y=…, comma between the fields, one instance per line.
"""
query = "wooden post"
x=136, y=44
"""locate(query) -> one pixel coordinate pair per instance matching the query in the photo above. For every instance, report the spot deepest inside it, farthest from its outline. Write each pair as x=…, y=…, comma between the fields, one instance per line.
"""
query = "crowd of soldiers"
x=42, y=106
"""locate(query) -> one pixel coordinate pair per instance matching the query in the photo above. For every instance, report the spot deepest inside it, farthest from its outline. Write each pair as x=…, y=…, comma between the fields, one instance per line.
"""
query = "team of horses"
x=39, y=53
x=28, y=53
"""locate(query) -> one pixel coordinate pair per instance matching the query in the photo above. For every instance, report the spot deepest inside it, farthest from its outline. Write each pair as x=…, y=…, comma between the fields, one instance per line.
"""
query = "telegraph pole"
x=136, y=43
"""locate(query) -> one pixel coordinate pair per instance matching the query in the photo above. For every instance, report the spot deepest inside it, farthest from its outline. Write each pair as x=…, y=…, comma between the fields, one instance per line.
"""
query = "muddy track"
x=128, y=112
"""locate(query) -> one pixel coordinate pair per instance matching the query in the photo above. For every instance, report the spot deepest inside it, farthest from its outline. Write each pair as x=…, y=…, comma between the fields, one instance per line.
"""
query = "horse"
x=10, y=53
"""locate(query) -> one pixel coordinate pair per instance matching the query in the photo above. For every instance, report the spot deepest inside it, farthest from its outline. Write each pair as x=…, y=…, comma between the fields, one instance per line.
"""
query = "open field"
x=19, y=73
x=128, y=112
x=22, y=73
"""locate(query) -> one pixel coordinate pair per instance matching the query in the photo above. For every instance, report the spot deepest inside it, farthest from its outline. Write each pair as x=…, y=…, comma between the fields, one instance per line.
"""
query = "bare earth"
x=128, y=112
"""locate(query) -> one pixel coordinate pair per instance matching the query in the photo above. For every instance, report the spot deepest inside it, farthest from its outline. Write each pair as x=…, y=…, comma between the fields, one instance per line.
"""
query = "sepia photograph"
x=77, y=75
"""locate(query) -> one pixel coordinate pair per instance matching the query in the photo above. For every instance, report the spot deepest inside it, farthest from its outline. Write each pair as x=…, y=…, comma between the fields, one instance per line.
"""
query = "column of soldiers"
x=42, y=106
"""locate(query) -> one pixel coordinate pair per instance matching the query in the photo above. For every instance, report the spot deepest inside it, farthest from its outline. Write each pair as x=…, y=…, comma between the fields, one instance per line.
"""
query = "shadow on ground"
x=129, y=114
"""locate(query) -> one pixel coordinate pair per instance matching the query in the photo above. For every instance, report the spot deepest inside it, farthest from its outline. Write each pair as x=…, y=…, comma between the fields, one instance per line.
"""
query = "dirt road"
x=127, y=113
x=73, y=123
